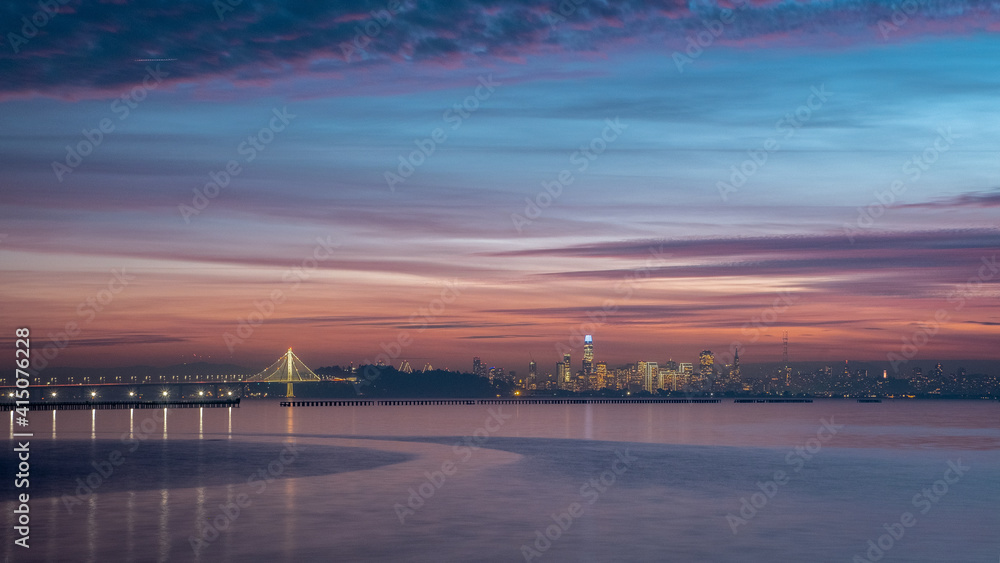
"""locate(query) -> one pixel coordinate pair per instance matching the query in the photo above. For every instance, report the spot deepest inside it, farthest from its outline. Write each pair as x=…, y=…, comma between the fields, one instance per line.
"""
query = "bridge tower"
x=288, y=369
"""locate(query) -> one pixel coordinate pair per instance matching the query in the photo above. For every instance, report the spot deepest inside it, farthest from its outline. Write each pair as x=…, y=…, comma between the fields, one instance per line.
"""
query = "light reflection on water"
x=695, y=463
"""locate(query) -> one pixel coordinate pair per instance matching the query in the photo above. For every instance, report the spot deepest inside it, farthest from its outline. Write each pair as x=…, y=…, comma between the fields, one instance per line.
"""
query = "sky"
x=433, y=181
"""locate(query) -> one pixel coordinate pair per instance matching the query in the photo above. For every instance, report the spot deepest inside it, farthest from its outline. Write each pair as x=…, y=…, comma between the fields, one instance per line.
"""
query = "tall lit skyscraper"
x=601, y=373
x=565, y=373
x=477, y=366
x=588, y=355
x=707, y=364
x=735, y=377
x=651, y=376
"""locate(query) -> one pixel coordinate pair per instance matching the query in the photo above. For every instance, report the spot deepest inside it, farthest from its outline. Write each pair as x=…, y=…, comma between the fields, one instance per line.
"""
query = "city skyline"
x=678, y=176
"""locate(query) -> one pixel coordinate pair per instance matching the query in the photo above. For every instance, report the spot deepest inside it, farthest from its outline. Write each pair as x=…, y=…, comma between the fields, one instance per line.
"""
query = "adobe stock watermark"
x=582, y=158
x=927, y=330
x=626, y=288
x=30, y=26
x=923, y=501
x=249, y=149
x=714, y=28
x=209, y=530
x=796, y=459
x=365, y=33
x=463, y=450
x=393, y=348
x=912, y=170
x=426, y=147
x=105, y=468
x=86, y=309
x=590, y=491
x=766, y=319
x=122, y=107
x=562, y=11
x=901, y=14
x=786, y=128
x=292, y=278
x=223, y=7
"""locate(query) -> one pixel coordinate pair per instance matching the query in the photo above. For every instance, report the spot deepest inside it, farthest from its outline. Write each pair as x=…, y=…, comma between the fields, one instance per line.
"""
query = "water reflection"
x=130, y=526
x=91, y=527
x=164, y=531
x=289, y=516
x=54, y=508
x=199, y=517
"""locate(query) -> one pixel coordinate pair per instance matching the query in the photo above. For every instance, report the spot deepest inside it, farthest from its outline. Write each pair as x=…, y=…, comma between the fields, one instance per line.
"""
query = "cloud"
x=125, y=339
x=744, y=248
x=881, y=264
x=102, y=46
x=970, y=199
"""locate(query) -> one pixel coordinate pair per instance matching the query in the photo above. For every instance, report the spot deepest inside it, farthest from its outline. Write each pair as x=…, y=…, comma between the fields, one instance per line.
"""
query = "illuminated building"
x=651, y=374
x=588, y=355
x=683, y=378
x=707, y=365
x=601, y=373
x=564, y=372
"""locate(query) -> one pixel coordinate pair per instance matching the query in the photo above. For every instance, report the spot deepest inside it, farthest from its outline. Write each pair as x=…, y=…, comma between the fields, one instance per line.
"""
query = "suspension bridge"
x=288, y=369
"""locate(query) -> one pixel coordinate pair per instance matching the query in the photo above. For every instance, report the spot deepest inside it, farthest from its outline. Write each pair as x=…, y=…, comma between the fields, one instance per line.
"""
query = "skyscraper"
x=565, y=373
x=601, y=373
x=588, y=355
x=735, y=377
x=650, y=376
x=707, y=366
x=477, y=366
x=784, y=359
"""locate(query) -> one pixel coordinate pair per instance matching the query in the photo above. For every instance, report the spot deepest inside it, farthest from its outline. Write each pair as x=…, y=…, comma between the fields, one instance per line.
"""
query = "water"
x=487, y=483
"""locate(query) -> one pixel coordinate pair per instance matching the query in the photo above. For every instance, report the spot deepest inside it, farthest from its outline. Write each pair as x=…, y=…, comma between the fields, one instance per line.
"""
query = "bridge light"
x=93, y=394
x=131, y=393
x=164, y=393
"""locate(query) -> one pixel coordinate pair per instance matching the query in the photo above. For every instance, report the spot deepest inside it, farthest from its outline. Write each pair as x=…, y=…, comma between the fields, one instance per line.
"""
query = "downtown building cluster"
x=707, y=376
x=644, y=375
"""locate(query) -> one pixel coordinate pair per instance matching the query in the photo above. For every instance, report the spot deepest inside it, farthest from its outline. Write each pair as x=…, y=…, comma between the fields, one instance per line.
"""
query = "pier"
x=122, y=405
x=434, y=402
x=772, y=400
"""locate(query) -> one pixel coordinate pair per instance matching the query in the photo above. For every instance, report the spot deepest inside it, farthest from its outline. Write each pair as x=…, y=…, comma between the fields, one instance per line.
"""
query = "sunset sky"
x=706, y=165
